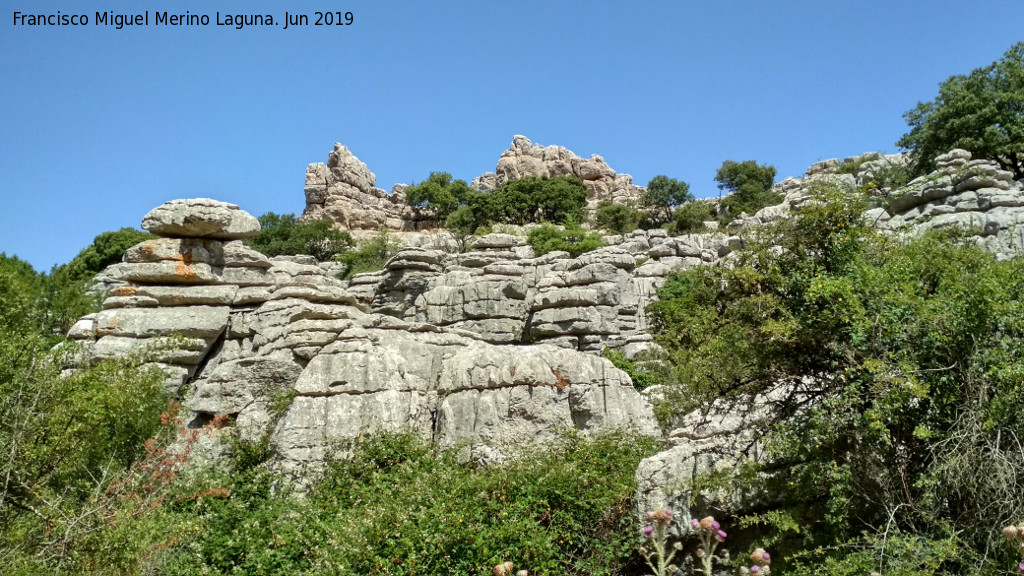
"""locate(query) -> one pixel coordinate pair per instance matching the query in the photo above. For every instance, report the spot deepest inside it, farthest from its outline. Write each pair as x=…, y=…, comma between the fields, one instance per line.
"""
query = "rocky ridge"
x=288, y=351
x=480, y=350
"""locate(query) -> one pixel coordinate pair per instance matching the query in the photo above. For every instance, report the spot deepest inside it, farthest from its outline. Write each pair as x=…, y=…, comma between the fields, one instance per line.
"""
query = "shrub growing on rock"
x=571, y=238
x=617, y=218
x=284, y=234
x=663, y=194
x=749, y=188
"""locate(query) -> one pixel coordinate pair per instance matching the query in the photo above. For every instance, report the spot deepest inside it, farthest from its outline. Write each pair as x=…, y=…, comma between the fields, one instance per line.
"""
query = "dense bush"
x=690, y=217
x=749, y=188
x=369, y=255
x=284, y=234
x=980, y=112
x=520, y=201
x=617, y=218
x=903, y=403
x=570, y=238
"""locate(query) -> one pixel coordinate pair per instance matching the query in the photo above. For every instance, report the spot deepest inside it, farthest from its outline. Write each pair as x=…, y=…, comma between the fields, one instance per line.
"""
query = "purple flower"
x=720, y=535
x=766, y=558
x=755, y=569
x=1021, y=566
x=695, y=524
x=715, y=525
x=648, y=530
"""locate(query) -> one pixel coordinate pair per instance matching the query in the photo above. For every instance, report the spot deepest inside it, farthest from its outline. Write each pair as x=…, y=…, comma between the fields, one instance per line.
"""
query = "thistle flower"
x=720, y=535
x=755, y=569
x=707, y=522
x=648, y=530
x=695, y=524
x=715, y=525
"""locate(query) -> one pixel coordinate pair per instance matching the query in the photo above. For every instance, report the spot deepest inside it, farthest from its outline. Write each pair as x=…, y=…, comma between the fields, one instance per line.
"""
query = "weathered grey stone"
x=238, y=254
x=189, y=321
x=189, y=295
x=495, y=241
x=201, y=218
x=187, y=250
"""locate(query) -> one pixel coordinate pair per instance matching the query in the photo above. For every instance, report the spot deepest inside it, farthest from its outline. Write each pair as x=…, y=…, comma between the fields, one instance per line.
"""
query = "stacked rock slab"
x=292, y=356
x=500, y=292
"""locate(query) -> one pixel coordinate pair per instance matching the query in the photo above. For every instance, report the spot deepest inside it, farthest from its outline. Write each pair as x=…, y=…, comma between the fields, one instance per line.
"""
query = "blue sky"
x=101, y=125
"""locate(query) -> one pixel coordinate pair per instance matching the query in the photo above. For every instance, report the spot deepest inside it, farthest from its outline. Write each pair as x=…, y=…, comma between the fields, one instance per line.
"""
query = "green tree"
x=462, y=223
x=748, y=185
x=664, y=194
x=982, y=112
x=440, y=193
x=535, y=199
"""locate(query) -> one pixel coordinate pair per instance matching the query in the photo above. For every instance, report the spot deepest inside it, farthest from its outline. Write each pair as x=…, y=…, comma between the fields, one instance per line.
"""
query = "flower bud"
x=648, y=530
x=700, y=552
x=767, y=559
x=678, y=546
x=744, y=570
x=522, y=573
x=695, y=524
x=715, y=525
x=720, y=535
x=672, y=569
x=643, y=551
x=755, y=569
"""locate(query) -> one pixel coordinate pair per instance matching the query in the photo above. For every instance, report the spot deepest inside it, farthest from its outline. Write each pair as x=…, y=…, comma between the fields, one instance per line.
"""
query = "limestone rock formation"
x=525, y=158
x=344, y=191
x=201, y=217
x=294, y=356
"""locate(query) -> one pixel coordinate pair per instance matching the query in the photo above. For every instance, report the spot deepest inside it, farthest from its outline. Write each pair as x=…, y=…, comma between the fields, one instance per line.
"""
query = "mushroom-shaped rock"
x=201, y=218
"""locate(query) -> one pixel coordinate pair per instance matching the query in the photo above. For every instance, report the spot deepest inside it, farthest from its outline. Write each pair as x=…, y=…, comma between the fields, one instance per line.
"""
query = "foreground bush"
x=397, y=507
x=903, y=410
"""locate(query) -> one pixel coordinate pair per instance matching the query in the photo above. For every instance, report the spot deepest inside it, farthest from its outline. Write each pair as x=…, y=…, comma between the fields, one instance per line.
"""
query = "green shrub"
x=642, y=378
x=690, y=217
x=570, y=238
x=286, y=235
x=903, y=357
x=617, y=218
x=520, y=201
x=370, y=255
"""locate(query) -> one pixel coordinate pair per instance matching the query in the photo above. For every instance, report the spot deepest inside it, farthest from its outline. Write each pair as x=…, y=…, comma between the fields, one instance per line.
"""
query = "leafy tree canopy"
x=663, y=194
x=982, y=112
x=440, y=193
x=749, y=186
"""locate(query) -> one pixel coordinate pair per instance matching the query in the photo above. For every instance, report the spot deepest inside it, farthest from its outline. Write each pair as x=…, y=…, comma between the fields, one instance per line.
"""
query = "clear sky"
x=100, y=125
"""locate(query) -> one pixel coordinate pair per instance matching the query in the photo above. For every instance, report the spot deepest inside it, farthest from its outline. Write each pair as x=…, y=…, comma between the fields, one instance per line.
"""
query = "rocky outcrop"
x=525, y=158
x=292, y=355
x=345, y=192
x=500, y=292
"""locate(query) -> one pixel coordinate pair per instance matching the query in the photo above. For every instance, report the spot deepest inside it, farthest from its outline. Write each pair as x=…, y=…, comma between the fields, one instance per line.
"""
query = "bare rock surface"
x=201, y=218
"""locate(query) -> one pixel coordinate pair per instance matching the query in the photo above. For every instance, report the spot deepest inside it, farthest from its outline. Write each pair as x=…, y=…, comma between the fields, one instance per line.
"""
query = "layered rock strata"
x=291, y=354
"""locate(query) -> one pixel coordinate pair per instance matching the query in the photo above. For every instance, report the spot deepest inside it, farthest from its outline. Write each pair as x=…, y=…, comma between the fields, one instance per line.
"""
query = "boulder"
x=201, y=218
